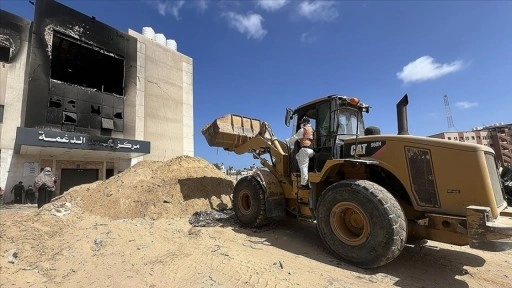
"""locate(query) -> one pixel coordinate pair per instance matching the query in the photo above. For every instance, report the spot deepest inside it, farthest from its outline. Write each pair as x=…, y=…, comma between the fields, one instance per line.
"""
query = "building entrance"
x=74, y=177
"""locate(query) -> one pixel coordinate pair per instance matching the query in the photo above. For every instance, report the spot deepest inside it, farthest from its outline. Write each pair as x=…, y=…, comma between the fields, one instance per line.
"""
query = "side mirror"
x=288, y=117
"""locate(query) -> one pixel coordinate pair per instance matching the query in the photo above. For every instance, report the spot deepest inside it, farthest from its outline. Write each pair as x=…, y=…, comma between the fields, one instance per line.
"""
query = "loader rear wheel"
x=249, y=202
x=361, y=222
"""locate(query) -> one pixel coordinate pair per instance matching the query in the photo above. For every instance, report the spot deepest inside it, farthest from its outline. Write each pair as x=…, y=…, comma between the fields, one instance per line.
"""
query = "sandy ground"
x=110, y=237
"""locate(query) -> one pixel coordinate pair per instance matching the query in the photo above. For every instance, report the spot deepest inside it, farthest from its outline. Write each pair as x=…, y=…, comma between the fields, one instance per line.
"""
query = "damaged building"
x=85, y=99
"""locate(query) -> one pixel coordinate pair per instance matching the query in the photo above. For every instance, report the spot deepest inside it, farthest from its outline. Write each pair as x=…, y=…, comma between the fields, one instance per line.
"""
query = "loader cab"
x=334, y=119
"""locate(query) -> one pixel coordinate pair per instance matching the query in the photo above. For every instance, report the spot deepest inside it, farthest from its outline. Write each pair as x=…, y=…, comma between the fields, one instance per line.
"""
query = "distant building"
x=497, y=136
x=86, y=99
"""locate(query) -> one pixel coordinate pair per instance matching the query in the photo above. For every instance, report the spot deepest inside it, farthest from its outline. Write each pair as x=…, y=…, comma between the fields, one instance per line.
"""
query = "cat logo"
x=364, y=148
x=361, y=149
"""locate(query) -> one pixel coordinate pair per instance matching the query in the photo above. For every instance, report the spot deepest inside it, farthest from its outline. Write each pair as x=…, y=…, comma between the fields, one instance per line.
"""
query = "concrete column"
x=5, y=164
x=188, y=109
x=104, y=170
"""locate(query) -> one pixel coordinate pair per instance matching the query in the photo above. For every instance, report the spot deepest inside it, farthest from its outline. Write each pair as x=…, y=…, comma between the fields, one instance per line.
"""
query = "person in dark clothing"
x=30, y=195
x=18, y=190
x=45, y=185
x=2, y=197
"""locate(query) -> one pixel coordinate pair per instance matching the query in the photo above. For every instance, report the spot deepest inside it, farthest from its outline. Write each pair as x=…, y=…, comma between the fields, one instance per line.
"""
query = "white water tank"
x=160, y=38
x=171, y=43
x=148, y=32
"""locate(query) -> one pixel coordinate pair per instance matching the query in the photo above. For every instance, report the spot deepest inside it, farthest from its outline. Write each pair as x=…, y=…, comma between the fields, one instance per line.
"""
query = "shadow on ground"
x=410, y=269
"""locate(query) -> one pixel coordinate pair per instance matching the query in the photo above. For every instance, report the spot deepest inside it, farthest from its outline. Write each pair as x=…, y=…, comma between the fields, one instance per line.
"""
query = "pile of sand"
x=155, y=189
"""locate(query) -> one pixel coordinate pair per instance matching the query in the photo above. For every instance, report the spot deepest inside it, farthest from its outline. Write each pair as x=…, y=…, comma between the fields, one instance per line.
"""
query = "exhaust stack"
x=401, y=115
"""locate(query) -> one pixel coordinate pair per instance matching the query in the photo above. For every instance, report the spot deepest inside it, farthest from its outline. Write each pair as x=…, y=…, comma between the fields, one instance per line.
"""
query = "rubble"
x=11, y=256
x=155, y=189
x=210, y=218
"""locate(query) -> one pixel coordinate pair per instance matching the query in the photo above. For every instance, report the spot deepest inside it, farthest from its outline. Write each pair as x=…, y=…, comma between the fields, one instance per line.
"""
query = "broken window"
x=69, y=118
x=95, y=109
x=5, y=53
x=84, y=65
x=107, y=124
x=55, y=102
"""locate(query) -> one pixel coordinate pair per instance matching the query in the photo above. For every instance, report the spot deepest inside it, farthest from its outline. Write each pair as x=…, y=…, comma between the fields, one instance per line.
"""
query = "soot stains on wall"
x=14, y=30
x=79, y=70
x=87, y=66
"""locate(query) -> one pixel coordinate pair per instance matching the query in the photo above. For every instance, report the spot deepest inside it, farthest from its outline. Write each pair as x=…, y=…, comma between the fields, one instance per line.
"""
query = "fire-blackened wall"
x=79, y=70
x=14, y=42
x=14, y=30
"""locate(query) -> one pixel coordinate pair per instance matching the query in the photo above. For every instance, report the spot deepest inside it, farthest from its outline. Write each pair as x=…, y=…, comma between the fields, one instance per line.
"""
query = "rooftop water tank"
x=148, y=32
x=160, y=38
x=171, y=43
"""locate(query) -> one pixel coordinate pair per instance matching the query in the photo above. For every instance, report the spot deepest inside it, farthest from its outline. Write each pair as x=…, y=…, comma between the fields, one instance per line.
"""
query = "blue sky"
x=255, y=58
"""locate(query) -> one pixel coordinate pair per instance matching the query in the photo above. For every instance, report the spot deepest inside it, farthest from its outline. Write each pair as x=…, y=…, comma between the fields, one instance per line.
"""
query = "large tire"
x=362, y=223
x=249, y=202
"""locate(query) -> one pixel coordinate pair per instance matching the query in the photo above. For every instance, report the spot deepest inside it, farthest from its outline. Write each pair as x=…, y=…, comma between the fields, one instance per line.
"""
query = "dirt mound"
x=155, y=189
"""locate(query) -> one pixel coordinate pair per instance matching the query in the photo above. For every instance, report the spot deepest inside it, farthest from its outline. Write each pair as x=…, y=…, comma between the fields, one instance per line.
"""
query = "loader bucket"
x=230, y=131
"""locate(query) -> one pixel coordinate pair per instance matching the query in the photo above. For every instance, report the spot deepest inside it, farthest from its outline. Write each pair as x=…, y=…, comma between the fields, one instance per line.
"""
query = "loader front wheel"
x=249, y=202
x=361, y=222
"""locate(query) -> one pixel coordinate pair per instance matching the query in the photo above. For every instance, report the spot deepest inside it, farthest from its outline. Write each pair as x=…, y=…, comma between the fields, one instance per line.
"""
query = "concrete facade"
x=165, y=114
x=12, y=89
x=151, y=118
x=498, y=137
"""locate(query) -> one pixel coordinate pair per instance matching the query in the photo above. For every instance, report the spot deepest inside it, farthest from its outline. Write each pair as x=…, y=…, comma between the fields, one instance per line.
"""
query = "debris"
x=156, y=189
x=209, y=218
x=59, y=212
x=98, y=244
x=12, y=256
x=279, y=263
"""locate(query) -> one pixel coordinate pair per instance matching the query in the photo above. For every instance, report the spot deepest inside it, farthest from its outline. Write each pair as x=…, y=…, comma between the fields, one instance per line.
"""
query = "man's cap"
x=304, y=120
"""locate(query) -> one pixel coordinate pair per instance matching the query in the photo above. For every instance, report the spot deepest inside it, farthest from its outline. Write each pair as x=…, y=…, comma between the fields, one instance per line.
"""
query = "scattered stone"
x=12, y=256
x=279, y=264
x=59, y=212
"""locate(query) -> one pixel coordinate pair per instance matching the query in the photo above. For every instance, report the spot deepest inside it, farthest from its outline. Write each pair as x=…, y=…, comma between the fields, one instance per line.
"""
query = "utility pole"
x=451, y=127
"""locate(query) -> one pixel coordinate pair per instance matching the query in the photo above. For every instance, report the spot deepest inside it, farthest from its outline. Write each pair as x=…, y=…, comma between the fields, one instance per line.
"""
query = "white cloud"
x=425, y=68
x=250, y=24
x=167, y=6
x=201, y=5
x=466, y=105
x=271, y=5
x=318, y=10
x=228, y=4
x=307, y=38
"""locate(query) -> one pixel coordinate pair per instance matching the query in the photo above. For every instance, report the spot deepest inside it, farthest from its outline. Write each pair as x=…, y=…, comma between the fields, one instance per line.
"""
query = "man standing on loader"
x=305, y=137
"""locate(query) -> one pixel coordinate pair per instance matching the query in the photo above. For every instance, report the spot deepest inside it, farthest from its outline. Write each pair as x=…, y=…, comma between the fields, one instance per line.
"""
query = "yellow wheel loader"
x=369, y=193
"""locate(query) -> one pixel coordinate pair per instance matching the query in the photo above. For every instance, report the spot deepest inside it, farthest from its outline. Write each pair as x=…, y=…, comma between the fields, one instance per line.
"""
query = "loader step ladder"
x=298, y=201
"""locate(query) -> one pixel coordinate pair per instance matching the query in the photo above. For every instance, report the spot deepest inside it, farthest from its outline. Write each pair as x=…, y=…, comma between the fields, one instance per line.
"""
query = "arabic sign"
x=62, y=139
x=113, y=143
